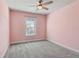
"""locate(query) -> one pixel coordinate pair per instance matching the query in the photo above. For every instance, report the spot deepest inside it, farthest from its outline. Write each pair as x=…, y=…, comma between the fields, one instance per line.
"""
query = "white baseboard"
x=77, y=51
x=4, y=52
x=24, y=41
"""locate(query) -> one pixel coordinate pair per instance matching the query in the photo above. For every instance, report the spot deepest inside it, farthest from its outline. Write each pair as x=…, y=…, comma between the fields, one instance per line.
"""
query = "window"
x=30, y=27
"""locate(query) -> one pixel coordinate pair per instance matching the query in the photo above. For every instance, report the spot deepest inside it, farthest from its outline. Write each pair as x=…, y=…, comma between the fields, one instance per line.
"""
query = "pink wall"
x=63, y=26
x=4, y=27
x=18, y=26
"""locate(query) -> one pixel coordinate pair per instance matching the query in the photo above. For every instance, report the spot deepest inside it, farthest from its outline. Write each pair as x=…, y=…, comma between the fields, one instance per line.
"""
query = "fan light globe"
x=39, y=7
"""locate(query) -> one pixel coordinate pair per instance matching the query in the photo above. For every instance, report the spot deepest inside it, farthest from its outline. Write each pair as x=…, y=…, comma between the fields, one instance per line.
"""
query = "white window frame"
x=33, y=20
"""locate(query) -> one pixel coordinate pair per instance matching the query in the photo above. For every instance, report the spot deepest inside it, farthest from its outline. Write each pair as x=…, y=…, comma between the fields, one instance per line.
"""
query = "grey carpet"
x=40, y=49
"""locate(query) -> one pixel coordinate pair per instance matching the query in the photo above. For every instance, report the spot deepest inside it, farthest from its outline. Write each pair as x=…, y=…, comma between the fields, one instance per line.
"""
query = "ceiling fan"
x=43, y=5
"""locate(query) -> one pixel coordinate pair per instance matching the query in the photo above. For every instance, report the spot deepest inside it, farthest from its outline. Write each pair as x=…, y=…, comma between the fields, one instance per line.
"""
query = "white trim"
x=25, y=41
x=4, y=52
x=77, y=51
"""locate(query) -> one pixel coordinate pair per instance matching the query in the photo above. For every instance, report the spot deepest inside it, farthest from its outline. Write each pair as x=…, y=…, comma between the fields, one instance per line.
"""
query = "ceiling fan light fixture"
x=39, y=7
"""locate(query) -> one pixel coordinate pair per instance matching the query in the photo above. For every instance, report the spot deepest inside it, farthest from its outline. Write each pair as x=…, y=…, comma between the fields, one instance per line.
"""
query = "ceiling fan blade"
x=49, y=2
x=32, y=5
x=45, y=8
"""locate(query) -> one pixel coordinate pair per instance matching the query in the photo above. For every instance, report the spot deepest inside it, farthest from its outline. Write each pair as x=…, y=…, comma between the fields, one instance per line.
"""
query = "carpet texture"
x=40, y=49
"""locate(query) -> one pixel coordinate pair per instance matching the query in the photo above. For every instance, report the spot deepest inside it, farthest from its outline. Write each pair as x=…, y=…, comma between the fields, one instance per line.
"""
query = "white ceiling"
x=25, y=5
